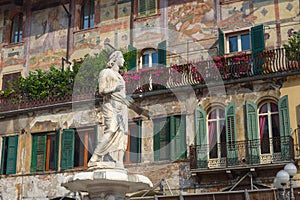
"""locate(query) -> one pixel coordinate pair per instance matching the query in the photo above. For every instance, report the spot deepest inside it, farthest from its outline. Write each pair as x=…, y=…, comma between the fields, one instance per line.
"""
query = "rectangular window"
x=147, y=7
x=9, y=154
x=17, y=32
x=248, y=39
x=85, y=143
x=88, y=14
x=238, y=42
x=169, y=138
x=9, y=79
x=44, y=151
x=133, y=152
x=77, y=147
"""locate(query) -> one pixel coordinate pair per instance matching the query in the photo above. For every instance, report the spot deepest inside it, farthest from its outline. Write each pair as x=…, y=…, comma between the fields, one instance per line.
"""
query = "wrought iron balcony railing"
x=224, y=69
x=227, y=68
x=242, y=153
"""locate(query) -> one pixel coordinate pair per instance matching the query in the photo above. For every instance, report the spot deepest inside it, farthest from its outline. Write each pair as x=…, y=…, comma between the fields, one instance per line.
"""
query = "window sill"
x=143, y=18
x=11, y=45
x=232, y=54
x=225, y=2
x=85, y=30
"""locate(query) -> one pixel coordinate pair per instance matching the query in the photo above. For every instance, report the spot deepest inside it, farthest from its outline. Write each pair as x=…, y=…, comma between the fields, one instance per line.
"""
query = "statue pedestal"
x=107, y=184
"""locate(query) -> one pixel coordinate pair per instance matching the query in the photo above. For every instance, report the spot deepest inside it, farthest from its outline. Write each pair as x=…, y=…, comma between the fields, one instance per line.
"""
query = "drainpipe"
x=68, y=36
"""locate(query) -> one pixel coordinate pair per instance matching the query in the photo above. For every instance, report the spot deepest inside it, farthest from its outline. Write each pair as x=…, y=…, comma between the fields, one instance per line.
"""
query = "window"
x=216, y=136
x=268, y=130
x=149, y=58
x=9, y=79
x=77, y=147
x=268, y=118
x=133, y=152
x=9, y=154
x=239, y=42
x=252, y=39
x=147, y=7
x=216, y=133
x=44, y=151
x=16, y=31
x=87, y=14
x=169, y=138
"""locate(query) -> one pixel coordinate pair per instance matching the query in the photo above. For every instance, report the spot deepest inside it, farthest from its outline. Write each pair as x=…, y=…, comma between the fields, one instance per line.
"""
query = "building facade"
x=217, y=77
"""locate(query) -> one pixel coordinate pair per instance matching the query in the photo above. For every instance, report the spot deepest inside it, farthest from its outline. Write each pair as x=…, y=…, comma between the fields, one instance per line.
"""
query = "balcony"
x=228, y=69
x=241, y=154
x=20, y=103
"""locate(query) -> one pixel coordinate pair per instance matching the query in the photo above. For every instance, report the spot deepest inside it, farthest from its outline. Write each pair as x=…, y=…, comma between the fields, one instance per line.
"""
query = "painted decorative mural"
x=192, y=18
x=48, y=37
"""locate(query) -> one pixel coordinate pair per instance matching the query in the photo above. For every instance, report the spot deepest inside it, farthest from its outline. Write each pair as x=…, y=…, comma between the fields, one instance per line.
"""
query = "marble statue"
x=112, y=145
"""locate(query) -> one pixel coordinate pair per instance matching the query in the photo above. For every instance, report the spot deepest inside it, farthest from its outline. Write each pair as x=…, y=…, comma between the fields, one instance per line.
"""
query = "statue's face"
x=120, y=61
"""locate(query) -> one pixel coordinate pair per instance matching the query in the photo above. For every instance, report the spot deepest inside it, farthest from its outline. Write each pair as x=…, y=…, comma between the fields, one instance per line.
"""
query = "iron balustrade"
x=227, y=69
x=249, y=152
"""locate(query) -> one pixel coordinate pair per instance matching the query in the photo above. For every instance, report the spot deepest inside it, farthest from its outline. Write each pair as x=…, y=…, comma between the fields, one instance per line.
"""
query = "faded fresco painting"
x=49, y=31
x=192, y=18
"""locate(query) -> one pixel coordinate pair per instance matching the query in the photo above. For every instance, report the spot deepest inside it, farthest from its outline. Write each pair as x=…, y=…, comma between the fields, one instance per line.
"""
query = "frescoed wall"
x=194, y=18
x=49, y=37
x=193, y=23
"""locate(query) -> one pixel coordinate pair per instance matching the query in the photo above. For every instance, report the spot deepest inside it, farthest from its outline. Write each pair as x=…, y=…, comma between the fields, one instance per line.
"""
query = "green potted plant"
x=292, y=49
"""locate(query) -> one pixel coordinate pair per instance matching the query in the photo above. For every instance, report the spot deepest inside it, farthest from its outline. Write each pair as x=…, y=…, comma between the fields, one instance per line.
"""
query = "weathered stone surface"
x=107, y=182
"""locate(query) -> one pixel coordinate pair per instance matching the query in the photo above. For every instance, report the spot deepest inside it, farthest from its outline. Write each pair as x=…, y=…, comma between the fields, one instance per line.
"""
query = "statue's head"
x=116, y=59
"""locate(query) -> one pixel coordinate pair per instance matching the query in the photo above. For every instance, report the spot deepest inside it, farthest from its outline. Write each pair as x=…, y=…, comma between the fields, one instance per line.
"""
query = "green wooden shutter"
x=284, y=119
x=3, y=154
x=132, y=58
x=67, y=149
x=221, y=42
x=38, y=156
x=232, y=153
x=201, y=138
x=257, y=45
x=156, y=143
x=177, y=137
x=257, y=38
x=12, y=151
x=41, y=153
x=142, y=7
x=33, y=153
x=152, y=7
x=162, y=53
x=253, y=141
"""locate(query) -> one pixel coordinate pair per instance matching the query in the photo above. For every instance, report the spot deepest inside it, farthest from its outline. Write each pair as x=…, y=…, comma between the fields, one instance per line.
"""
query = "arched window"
x=269, y=130
x=87, y=14
x=16, y=30
x=216, y=137
x=216, y=133
x=149, y=58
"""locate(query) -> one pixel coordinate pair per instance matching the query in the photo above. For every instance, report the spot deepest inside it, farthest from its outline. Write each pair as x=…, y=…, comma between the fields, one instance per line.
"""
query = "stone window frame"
x=137, y=13
x=9, y=27
x=90, y=20
x=11, y=77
